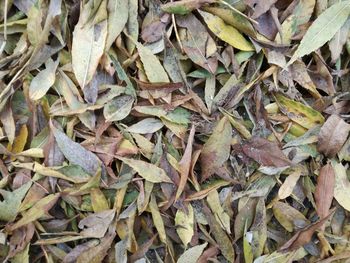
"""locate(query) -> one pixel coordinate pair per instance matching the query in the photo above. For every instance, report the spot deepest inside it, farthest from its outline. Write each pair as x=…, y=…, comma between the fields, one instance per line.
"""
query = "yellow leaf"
x=184, y=224
x=226, y=32
x=299, y=113
x=148, y=171
x=98, y=200
x=19, y=142
x=157, y=219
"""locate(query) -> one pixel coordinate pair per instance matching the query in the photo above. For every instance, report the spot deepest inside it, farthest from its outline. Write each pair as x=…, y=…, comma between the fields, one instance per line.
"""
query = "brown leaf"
x=260, y=7
x=304, y=236
x=185, y=164
x=333, y=135
x=217, y=149
x=265, y=152
x=324, y=190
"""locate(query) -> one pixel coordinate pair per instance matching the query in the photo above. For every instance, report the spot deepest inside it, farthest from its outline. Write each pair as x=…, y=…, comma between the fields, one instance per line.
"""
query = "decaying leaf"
x=174, y=131
x=184, y=222
x=332, y=136
x=89, y=40
x=341, y=186
x=217, y=149
x=265, y=152
x=148, y=171
x=324, y=190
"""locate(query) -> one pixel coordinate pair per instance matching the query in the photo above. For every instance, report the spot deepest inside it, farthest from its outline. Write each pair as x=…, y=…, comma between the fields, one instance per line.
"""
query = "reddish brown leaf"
x=265, y=152
x=304, y=236
x=332, y=136
x=324, y=190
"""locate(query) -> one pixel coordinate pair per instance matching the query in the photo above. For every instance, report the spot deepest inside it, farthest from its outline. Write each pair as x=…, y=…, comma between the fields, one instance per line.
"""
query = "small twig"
x=176, y=32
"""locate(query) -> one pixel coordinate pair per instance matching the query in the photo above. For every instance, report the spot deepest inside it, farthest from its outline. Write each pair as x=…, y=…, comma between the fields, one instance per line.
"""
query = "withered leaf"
x=75, y=153
x=217, y=149
x=324, y=190
x=265, y=152
x=333, y=135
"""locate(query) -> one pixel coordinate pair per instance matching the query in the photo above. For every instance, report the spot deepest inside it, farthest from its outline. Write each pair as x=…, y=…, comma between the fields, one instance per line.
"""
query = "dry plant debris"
x=174, y=131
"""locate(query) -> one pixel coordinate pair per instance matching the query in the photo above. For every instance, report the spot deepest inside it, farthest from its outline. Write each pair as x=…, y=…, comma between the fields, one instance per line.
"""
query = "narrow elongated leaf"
x=324, y=190
x=184, y=222
x=154, y=70
x=12, y=200
x=226, y=32
x=146, y=170
x=217, y=149
x=38, y=210
x=299, y=113
x=342, y=185
x=89, y=41
x=75, y=153
x=192, y=254
x=117, y=18
x=43, y=81
x=323, y=29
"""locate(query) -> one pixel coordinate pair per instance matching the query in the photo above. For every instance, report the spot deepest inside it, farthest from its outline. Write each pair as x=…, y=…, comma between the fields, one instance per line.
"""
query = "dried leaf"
x=117, y=18
x=38, y=210
x=192, y=254
x=217, y=149
x=89, y=39
x=324, y=190
x=12, y=202
x=341, y=186
x=75, y=153
x=226, y=32
x=154, y=70
x=96, y=225
x=332, y=136
x=184, y=222
x=148, y=171
x=42, y=82
x=265, y=152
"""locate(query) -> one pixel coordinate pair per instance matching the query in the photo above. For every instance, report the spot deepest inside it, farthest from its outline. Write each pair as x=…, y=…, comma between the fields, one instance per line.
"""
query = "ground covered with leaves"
x=174, y=131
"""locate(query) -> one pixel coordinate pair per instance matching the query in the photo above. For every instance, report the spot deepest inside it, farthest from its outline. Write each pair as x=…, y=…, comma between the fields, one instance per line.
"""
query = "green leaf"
x=322, y=29
x=12, y=201
x=38, y=210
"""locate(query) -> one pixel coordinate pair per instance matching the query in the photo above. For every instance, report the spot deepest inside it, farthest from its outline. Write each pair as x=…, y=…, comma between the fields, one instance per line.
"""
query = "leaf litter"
x=174, y=131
